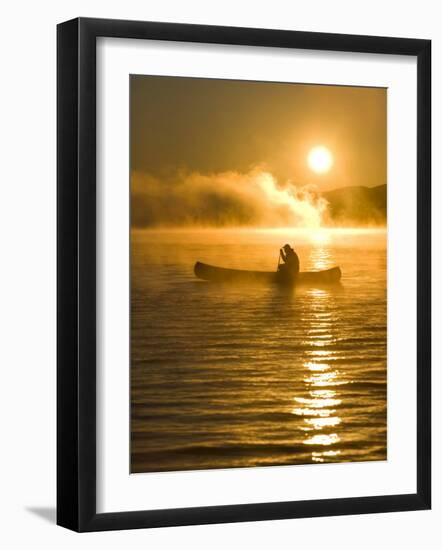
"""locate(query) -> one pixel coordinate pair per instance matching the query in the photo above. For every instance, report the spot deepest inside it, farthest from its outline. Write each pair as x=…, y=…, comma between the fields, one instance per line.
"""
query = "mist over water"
x=239, y=376
x=223, y=199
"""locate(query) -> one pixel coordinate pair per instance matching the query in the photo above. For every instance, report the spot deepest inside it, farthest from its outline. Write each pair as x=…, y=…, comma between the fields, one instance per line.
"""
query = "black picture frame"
x=76, y=274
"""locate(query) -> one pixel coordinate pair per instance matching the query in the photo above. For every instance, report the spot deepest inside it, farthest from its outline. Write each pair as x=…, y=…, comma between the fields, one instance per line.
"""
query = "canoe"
x=224, y=275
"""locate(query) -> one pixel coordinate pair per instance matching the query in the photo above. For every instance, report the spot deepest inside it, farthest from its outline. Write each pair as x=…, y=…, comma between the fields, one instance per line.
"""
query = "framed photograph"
x=243, y=274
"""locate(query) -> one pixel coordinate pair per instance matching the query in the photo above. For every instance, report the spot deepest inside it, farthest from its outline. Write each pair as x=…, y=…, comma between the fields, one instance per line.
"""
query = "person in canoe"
x=290, y=265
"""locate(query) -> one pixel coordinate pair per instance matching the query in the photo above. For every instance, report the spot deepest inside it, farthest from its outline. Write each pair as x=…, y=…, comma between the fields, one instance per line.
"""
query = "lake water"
x=240, y=376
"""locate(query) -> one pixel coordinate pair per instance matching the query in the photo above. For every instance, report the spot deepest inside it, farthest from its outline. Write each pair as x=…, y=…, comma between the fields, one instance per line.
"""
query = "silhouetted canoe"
x=224, y=275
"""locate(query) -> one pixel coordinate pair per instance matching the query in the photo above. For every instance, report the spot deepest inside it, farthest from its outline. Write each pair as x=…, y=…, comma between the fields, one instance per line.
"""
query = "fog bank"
x=223, y=199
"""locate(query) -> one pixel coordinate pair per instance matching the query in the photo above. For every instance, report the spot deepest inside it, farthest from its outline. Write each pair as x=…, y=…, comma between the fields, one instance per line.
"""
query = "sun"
x=320, y=159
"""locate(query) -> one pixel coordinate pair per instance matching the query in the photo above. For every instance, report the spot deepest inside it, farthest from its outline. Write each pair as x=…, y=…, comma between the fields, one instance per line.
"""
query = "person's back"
x=290, y=259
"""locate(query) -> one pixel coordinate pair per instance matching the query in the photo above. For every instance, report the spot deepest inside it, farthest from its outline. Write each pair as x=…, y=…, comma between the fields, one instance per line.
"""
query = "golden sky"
x=186, y=125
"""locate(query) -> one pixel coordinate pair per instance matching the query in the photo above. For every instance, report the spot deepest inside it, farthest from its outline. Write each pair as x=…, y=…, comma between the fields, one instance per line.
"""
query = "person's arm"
x=283, y=256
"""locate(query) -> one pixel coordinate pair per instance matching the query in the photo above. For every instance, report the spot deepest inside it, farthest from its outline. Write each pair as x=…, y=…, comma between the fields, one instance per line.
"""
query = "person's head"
x=287, y=248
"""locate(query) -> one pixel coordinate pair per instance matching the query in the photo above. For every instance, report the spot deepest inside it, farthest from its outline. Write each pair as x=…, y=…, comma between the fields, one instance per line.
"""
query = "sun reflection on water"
x=320, y=409
x=322, y=439
x=319, y=423
x=322, y=456
x=319, y=403
x=319, y=406
x=305, y=411
x=320, y=256
x=320, y=236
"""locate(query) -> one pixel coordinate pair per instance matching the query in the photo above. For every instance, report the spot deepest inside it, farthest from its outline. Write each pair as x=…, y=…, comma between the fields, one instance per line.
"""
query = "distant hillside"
x=358, y=205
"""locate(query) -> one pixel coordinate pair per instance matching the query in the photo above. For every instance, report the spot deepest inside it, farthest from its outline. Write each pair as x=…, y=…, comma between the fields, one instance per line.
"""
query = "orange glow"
x=320, y=159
